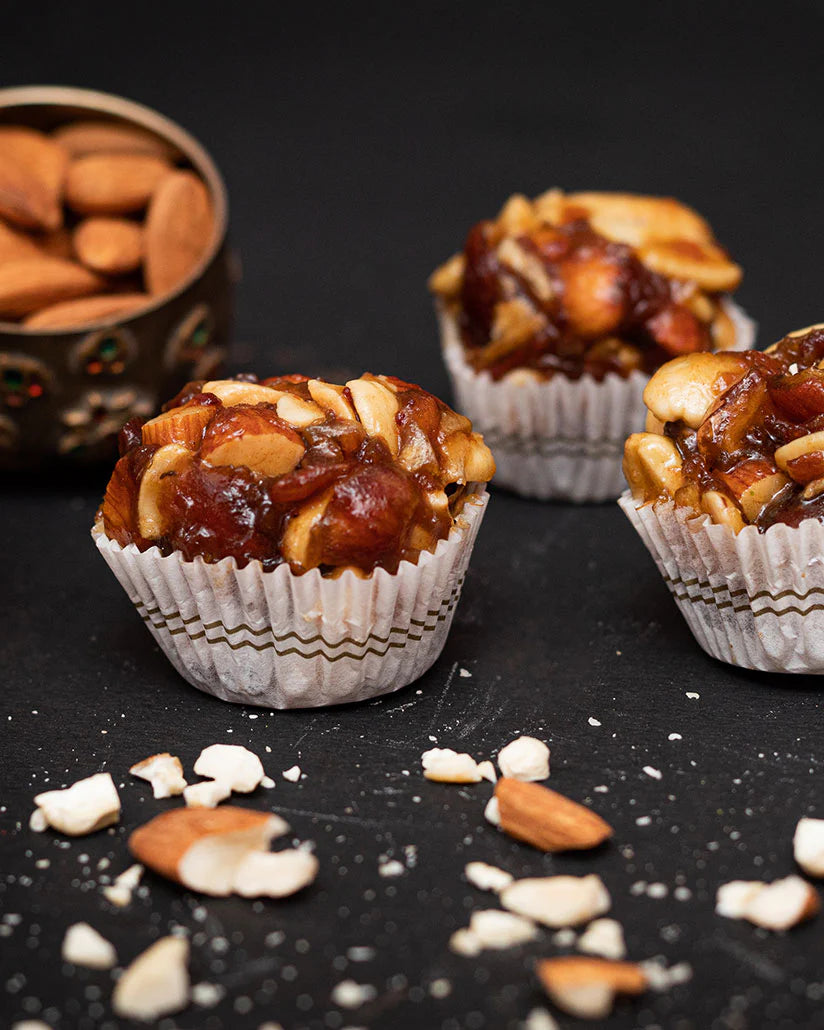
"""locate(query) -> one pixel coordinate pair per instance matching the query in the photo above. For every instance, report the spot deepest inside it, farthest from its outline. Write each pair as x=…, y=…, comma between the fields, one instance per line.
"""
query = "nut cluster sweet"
x=588, y=283
x=295, y=470
x=738, y=437
x=97, y=219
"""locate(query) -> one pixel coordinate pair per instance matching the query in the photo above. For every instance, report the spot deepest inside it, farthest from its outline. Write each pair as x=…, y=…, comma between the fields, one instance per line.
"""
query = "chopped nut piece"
x=774, y=906
x=604, y=937
x=88, y=805
x=156, y=983
x=464, y=942
x=230, y=392
x=808, y=846
x=525, y=758
x=487, y=771
x=558, y=901
x=491, y=928
x=293, y=774
x=166, y=463
x=376, y=407
x=236, y=767
x=586, y=987
x=164, y=772
x=275, y=874
x=487, y=877
x=546, y=819
x=298, y=412
x=207, y=794
x=38, y=822
x=687, y=387
x=120, y=892
x=444, y=765
x=350, y=995
x=201, y=848
x=84, y=946
x=492, y=812
x=540, y=1019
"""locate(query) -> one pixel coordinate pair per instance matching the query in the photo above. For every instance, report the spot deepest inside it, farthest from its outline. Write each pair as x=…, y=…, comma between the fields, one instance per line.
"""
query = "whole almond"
x=95, y=137
x=15, y=244
x=29, y=284
x=113, y=184
x=111, y=246
x=547, y=820
x=43, y=163
x=179, y=230
x=71, y=313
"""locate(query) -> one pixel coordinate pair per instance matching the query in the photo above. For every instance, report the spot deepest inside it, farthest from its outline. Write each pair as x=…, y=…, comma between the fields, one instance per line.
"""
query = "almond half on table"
x=222, y=851
x=586, y=987
x=547, y=820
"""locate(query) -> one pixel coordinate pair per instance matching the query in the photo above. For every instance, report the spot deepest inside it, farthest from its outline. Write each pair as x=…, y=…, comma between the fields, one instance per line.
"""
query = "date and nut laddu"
x=739, y=437
x=588, y=283
x=295, y=470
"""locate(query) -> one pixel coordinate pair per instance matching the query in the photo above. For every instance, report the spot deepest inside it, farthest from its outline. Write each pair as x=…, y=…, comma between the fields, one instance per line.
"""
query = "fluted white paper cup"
x=279, y=640
x=558, y=438
x=751, y=599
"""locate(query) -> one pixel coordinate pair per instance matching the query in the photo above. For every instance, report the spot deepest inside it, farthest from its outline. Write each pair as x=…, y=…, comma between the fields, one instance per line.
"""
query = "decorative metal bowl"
x=64, y=395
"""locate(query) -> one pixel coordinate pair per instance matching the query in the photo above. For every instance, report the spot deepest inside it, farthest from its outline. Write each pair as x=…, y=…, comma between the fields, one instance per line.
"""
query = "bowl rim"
x=97, y=102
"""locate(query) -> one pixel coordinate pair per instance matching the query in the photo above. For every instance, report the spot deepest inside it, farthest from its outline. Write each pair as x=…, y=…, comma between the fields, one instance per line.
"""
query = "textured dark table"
x=358, y=146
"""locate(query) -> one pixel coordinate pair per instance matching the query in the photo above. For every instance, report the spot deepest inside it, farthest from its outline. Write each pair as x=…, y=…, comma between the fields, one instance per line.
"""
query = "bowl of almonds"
x=115, y=277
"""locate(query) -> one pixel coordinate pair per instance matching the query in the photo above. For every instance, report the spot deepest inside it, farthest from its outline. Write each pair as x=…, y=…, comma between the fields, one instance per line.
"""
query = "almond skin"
x=30, y=284
x=15, y=244
x=93, y=137
x=44, y=162
x=86, y=310
x=180, y=425
x=113, y=184
x=567, y=979
x=179, y=230
x=111, y=246
x=163, y=841
x=547, y=820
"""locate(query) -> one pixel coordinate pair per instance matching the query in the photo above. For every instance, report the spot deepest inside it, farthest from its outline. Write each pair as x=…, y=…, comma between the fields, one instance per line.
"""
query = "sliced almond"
x=487, y=877
x=156, y=983
x=652, y=466
x=298, y=412
x=179, y=425
x=167, y=462
x=808, y=846
x=230, y=392
x=98, y=137
x=180, y=228
x=203, y=848
x=525, y=758
x=558, y=901
x=376, y=407
x=586, y=987
x=275, y=874
x=254, y=439
x=164, y=772
x=332, y=398
x=88, y=805
x=44, y=164
x=703, y=263
x=546, y=819
x=444, y=765
x=70, y=314
x=84, y=946
x=113, y=184
x=231, y=764
x=603, y=937
x=779, y=905
x=447, y=280
x=111, y=246
x=28, y=284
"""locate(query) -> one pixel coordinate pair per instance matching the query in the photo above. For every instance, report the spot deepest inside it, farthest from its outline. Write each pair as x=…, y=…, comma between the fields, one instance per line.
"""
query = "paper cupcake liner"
x=751, y=599
x=279, y=640
x=559, y=438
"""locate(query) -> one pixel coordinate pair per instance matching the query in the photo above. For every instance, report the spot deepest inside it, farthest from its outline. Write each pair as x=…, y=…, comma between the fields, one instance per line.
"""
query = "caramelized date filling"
x=591, y=284
x=277, y=471
x=756, y=454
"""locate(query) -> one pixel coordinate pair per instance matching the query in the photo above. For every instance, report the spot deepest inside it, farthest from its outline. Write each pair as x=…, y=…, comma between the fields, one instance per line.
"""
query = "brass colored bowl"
x=64, y=394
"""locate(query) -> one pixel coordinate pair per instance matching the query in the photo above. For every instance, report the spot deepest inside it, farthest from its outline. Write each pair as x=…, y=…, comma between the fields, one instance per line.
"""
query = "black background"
x=358, y=144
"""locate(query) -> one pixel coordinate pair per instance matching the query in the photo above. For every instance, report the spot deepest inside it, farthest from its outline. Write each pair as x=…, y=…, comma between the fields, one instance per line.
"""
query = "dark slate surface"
x=358, y=145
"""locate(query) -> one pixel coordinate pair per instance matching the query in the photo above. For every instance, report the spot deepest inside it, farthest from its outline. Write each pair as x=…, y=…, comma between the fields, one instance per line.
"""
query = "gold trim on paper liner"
x=674, y=582
x=554, y=446
x=439, y=614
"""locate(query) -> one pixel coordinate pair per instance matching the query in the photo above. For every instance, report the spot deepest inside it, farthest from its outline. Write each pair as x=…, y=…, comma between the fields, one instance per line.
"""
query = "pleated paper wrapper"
x=279, y=640
x=753, y=599
x=558, y=438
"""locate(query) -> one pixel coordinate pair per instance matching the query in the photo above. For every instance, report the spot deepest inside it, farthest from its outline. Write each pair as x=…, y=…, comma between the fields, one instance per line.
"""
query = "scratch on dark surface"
x=335, y=817
x=759, y=964
x=439, y=707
